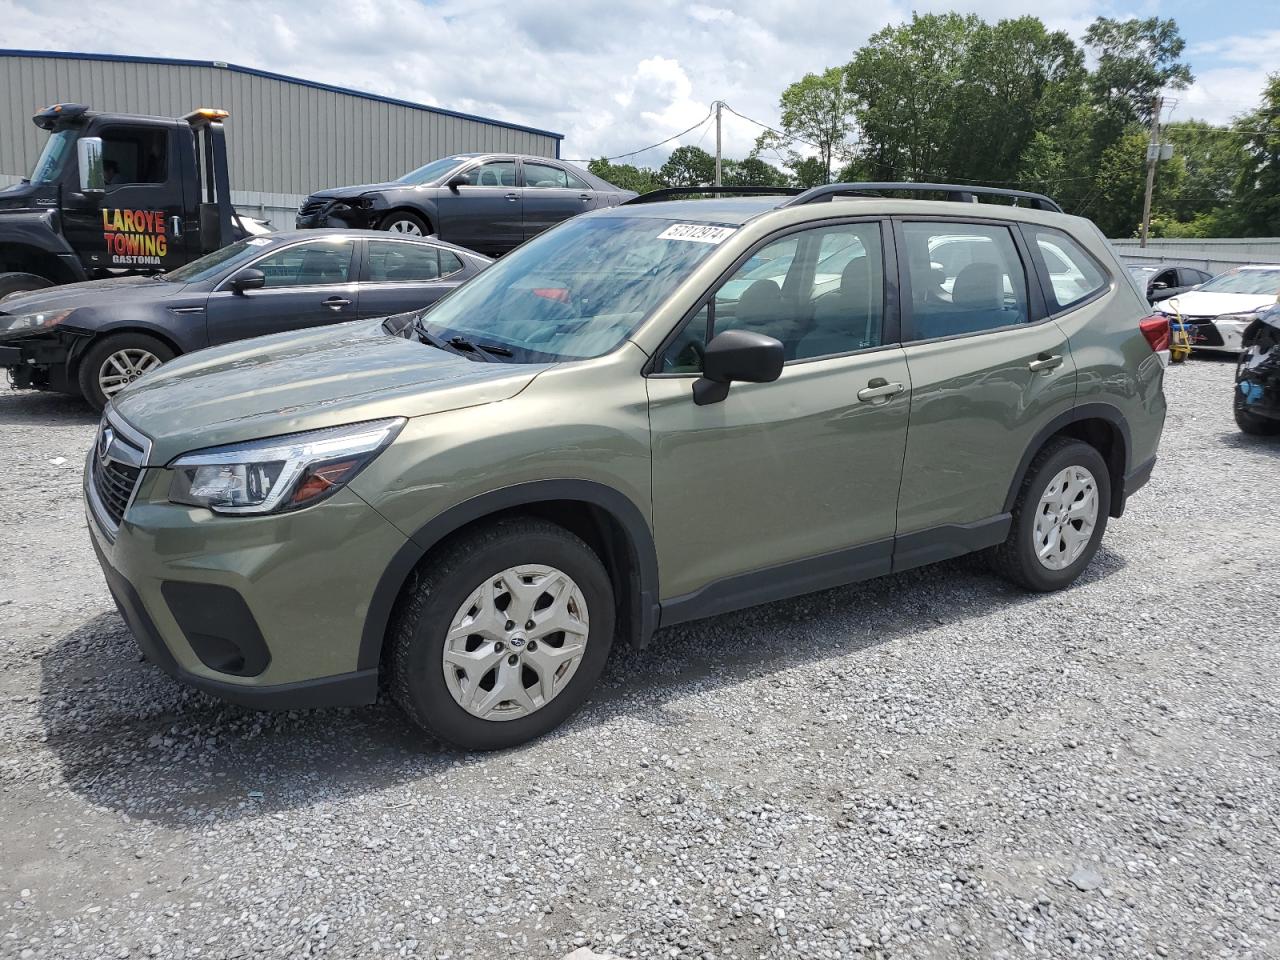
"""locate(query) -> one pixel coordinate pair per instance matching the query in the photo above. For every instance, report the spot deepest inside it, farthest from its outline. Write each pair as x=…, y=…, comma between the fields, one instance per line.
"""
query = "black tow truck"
x=115, y=194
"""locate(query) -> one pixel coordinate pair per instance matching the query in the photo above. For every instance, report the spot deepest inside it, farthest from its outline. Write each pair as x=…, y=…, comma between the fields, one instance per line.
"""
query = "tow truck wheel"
x=114, y=362
x=409, y=224
x=19, y=282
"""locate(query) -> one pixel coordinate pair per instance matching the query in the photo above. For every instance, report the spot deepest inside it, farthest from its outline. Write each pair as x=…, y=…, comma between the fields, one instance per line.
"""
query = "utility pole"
x=719, y=104
x=1153, y=157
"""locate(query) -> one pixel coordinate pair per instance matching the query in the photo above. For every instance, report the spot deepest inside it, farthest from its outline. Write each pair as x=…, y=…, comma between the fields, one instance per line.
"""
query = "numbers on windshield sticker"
x=696, y=232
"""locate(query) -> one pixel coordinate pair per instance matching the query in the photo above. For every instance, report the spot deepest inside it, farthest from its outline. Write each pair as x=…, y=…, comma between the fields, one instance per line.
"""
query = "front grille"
x=1207, y=335
x=114, y=470
x=311, y=207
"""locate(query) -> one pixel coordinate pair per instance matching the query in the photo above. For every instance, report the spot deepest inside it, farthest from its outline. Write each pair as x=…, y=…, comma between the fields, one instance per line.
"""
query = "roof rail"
x=954, y=191
x=672, y=193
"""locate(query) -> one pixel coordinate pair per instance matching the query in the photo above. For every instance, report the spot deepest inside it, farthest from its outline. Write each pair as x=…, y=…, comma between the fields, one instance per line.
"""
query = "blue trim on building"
x=268, y=75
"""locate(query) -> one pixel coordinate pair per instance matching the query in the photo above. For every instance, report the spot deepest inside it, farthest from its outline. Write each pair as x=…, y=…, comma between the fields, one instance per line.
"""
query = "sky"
x=612, y=77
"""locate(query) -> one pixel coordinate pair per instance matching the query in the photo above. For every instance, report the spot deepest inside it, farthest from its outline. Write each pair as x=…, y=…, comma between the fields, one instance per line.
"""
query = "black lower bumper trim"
x=1137, y=479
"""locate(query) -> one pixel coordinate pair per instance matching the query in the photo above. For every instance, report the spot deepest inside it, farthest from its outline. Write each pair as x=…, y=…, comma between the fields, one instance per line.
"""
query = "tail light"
x=1156, y=329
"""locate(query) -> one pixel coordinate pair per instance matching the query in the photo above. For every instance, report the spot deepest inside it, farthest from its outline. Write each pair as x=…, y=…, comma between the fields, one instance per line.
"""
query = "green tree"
x=1136, y=59
x=817, y=111
x=688, y=167
x=1258, y=185
x=751, y=172
x=626, y=176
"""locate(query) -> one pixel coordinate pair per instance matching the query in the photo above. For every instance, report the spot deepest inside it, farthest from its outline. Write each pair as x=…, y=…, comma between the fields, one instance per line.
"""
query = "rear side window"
x=393, y=261
x=1074, y=275
x=450, y=263
x=965, y=278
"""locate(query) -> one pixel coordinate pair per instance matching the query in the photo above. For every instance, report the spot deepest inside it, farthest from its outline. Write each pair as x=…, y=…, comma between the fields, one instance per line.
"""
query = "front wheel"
x=503, y=635
x=1059, y=517
x=116, y=361
x=408, y=224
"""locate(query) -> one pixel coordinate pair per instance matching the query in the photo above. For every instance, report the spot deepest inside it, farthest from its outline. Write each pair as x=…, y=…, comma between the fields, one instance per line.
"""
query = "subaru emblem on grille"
x=104, y=443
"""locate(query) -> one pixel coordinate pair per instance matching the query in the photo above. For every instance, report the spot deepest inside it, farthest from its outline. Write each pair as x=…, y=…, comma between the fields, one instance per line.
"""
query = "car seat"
x=847, y=318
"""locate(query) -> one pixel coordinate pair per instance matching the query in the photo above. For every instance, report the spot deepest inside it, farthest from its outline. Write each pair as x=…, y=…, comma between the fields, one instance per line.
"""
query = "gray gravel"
x=931, y=765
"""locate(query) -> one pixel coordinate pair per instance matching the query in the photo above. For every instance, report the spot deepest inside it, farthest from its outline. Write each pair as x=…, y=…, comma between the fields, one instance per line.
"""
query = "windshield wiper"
x=429, y=338
x=462, y=343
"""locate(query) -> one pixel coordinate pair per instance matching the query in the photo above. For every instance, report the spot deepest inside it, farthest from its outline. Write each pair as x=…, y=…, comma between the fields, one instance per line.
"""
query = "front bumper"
x=1221, y=335
x=1258, y=376
x=41, y=362
x=266, y=612
x=336, y=213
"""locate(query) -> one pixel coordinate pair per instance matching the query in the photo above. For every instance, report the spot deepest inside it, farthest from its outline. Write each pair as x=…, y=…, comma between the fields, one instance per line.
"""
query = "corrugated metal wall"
x=1214, y=255
x=283, y=138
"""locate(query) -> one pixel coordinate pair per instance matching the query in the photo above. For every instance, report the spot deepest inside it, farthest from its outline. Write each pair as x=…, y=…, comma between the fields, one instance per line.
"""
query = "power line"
x=779, y=133
x=652, y=146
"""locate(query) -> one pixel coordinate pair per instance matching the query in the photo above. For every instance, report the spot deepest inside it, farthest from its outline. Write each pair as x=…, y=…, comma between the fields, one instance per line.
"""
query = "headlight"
x=279, y=473
x=25, y=324
x=1247, y=316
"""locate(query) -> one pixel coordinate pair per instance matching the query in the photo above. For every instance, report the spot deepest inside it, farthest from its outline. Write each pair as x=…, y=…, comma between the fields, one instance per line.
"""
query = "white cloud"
x=611, y=77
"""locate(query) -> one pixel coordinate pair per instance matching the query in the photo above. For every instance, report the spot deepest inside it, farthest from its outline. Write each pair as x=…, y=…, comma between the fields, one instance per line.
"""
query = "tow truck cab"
x=116, y=193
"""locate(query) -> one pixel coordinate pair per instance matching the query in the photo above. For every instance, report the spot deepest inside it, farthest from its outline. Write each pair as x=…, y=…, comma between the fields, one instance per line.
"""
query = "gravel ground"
x=931, y=765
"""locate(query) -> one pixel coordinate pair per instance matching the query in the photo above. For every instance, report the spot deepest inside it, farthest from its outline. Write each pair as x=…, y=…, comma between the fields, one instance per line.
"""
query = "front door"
x=136, y=222
x=802, y=474
x=550, y=196
x=309, y=284
x=486, y=214
x=987, y=372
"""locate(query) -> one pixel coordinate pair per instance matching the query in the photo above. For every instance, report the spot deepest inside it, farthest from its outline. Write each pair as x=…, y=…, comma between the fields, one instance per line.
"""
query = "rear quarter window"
x=1074, y=275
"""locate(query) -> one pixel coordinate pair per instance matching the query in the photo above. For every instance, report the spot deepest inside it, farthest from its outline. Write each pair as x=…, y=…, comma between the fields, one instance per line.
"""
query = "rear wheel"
x=503, y=635
x=1059, y=517
x=409, y=224
x=116, y=361
x=1251, y=423
x=19, y=282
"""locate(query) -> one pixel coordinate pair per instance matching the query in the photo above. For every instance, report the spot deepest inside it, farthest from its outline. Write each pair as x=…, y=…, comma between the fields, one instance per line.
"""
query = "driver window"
x=308, y=264
x=820, y=292
x=499, y=173
x=133, y=155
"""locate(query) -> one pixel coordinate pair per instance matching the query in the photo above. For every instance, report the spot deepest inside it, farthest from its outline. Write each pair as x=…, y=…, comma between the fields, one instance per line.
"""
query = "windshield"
x=432, y=171
x=577, y=290
x=1257, y=282
x=213, y=264
x=54, y=157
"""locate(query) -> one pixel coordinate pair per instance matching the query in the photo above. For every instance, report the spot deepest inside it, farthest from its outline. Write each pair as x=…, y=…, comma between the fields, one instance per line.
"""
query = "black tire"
x=20, y=282
x=398, y=216
x=92, y=362
x=427, y=607
x=1016, y=559
x=1251, y=423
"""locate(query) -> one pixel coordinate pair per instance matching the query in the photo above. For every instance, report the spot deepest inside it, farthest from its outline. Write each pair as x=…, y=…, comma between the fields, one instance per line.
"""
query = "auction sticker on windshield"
x=696, y=232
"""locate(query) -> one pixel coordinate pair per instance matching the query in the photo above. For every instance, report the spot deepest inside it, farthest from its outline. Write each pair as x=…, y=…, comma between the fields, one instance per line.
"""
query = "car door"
x=550, y=195
x=487, y=212
x=401, y=275
x=800, y=475
x=988, y=369
x=1165, y=285
x=308, y=284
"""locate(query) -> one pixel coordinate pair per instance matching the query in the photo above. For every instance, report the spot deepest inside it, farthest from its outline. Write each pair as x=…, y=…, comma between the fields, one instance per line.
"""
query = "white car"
x=1222, y=308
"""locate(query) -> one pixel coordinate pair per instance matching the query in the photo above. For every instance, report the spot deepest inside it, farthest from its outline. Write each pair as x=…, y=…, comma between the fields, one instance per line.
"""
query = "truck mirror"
x=250, y=278
x=89, y=156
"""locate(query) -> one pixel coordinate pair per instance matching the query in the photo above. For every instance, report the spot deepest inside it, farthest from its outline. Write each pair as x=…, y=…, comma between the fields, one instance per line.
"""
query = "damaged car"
x=1257, y=394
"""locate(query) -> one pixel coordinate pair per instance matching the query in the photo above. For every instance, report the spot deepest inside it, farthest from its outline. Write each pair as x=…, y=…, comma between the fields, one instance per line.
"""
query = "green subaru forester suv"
x=647, y=415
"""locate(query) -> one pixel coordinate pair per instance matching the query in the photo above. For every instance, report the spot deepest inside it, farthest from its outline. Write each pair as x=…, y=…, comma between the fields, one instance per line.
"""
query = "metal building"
x=286, y=137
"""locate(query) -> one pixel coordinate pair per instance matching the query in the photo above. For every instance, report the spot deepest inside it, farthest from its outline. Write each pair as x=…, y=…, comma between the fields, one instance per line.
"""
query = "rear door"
x=486, y=214
x=988, y=370
x=401, y=275
x=309, y=284
x=551, y=194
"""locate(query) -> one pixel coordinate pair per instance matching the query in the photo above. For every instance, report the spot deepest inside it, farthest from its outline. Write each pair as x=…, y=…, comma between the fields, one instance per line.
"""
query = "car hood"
x=94, y=293
x=1198, y=303
x=305, y=380
x=357, y=190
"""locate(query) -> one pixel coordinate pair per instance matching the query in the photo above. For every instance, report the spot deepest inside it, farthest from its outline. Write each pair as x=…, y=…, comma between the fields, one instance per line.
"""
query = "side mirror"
x=1159, y=285
x=250, y=278
x=741, y=355
x=89, y=158
x=458, y=180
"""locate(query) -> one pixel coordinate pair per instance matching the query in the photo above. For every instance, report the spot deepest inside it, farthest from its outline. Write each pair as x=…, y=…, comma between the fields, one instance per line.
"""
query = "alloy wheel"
x=516, y=642
x=1066, y=517
x=407, y=227
x=123, y=367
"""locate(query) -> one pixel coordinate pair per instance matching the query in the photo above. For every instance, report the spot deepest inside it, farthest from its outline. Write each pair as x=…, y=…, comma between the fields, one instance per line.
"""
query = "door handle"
x=512, y=197
x=1045, y=363
x=879, y=389
x=584, y=196
x=337, y=303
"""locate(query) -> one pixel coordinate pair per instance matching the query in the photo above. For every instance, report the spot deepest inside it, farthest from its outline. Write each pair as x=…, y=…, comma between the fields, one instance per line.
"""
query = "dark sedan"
x=487, y=202
x=94, y=338
x=1162, y=282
